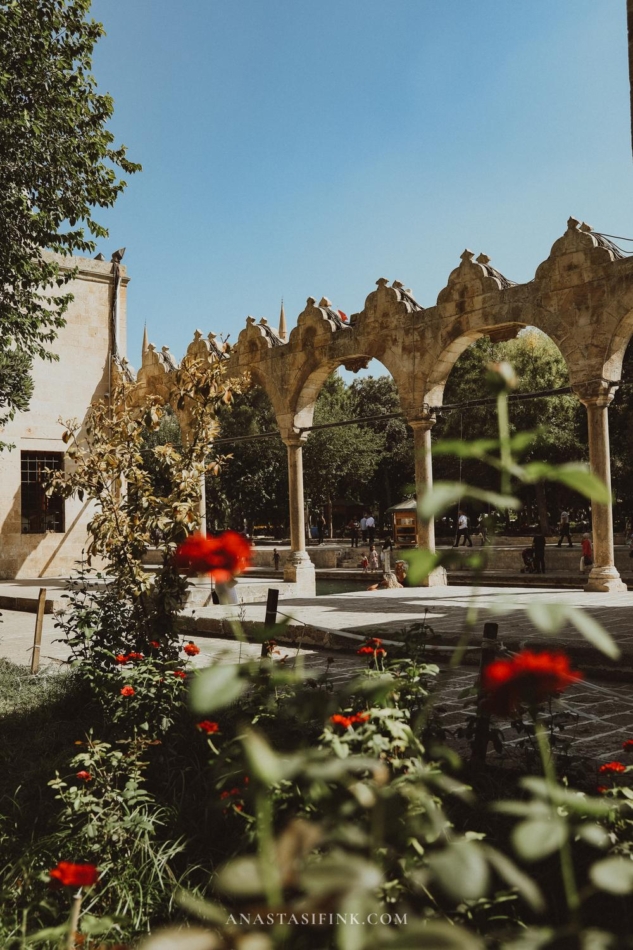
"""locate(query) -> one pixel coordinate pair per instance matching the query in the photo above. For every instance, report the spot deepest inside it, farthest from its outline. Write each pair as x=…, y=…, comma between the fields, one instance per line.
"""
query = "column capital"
x=293, y=438
x=422, y=420
x=595, y=392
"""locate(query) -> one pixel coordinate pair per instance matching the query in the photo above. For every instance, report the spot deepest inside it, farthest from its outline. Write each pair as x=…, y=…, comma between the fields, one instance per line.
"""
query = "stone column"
x=298, y=568
x=202, y=504
x=425, y=528
x=597, y=396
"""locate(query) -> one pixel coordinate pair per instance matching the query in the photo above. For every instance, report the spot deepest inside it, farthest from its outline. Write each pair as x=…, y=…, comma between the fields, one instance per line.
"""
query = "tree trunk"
x=541, y=504
x=329, y=516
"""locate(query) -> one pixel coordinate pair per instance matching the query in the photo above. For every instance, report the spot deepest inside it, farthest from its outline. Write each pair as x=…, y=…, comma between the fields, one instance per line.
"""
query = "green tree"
x=621, y=426
x=556, y=420
x=394, y=475
x=252, y=485
x=57, y=163
x=339, y=462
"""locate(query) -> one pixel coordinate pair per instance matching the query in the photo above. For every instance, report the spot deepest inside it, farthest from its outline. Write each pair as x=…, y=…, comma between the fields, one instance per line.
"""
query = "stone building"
x=39, y=536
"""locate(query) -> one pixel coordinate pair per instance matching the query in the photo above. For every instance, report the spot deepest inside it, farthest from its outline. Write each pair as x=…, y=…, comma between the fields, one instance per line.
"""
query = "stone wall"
x=62, y=389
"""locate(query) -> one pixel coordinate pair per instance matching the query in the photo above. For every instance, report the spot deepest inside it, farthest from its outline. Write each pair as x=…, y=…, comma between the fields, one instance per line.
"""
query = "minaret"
x=283, y=333
x=145, y=341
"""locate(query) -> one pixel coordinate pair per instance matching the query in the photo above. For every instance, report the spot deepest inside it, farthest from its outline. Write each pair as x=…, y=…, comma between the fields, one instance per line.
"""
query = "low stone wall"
x=320, y=555
x=564, y=559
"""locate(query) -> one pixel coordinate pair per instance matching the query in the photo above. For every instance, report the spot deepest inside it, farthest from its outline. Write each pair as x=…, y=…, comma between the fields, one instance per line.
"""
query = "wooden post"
x=39, y=622
x=482, y=726
x=271, y=613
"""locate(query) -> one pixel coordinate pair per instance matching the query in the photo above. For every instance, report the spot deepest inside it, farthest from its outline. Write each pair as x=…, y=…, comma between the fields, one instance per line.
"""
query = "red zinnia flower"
x=155, y=644
x=84, y=776
x=74, y=875
x=191, y=649
x=207, y=726
x=121, y=658
x=347, y=721
x=221, y=557
x=180, y=674
x=628, y=745
x=128, y=691
x=135, y=656
x=602, y=789
x=526, y=679
x=612, y=767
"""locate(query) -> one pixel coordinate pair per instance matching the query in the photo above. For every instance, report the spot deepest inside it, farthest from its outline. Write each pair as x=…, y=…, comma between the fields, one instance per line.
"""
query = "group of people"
x=377, y=560
x=364, y=529
x=392, y=579
x=484, y=527
x=534, y=556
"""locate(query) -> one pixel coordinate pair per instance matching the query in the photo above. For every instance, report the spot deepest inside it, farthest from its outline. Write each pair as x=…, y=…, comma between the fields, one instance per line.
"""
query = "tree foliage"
x=57, y=163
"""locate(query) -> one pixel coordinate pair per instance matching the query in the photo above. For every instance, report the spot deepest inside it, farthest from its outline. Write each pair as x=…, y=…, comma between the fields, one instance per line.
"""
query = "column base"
x=299, y=570
x=437, y=578
x=605, y=580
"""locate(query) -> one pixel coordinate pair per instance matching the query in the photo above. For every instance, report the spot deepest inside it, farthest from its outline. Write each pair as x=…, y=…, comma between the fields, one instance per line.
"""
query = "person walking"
x=354, y=527
x=363, y=528
x=276, y=558
x=538, y=544
x=564, y=529
x=371, y=528
x=321, y=527
x=462, y=530
x=586, y=559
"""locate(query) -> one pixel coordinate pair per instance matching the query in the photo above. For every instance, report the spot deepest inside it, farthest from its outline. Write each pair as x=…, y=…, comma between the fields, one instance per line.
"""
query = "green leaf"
x=514, y=877
x=476, y=449
x=571, y=800
x=461, y=870
x=444, y=495
x=200, y=908
x=421, y=562
x=614, y=875
x=593, y=834
x=264, y=763
x=573, y=475
x=184, y=938
x=593, y=632
x=536, y=838
x=550, y=618
x=339, y=872
x=215, y=688
x=241, y=877
x=433, y=935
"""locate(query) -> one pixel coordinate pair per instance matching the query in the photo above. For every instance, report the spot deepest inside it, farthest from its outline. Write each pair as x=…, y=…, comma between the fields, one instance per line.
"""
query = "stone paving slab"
x=341, y=620
x=601, y=712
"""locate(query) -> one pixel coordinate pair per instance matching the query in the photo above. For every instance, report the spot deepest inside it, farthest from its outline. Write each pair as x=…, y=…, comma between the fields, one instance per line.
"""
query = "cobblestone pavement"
x=600, y=713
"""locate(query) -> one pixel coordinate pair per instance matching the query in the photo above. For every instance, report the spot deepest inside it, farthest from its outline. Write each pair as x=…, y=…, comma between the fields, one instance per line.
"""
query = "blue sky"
x=298, y=149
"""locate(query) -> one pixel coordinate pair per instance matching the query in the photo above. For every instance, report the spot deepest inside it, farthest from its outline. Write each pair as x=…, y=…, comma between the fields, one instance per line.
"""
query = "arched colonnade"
x=581, y=296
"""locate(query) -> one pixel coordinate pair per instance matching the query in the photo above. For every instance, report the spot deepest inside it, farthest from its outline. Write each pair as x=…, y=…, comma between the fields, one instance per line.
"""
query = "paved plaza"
x=600, y=708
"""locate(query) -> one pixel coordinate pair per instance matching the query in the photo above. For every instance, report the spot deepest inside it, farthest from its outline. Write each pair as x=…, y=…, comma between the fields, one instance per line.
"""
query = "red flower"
x=342, y=315
x=74, y=875
x=191, y=649
x=612, y=767
x=180, y=674
x=628, y=745
x=526, y=679
x=84, y=776
x=207, y=726
x=347, y=721
x=135, y=656
x=221, y=557
x=121, y=658
x=128, y=691
x=155, y=644
x=602, y=789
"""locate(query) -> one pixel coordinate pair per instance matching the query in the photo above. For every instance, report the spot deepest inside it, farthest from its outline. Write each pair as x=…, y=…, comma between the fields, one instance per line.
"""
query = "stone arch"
x=310, y=383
